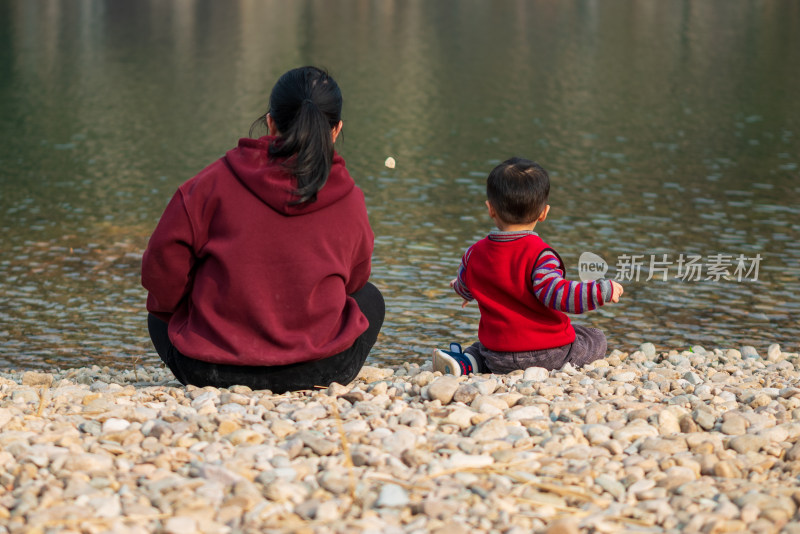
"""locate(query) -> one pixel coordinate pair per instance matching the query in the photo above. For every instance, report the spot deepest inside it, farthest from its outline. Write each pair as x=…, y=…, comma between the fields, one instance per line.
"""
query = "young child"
x=518, y=281
x=257, y=273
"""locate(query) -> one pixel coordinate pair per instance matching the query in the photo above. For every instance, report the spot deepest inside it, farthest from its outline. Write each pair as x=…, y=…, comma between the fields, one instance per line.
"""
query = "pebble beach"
x=699, y=440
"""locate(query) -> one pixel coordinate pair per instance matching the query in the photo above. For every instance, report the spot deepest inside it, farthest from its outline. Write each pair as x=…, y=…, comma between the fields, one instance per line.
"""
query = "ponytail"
x=306, y=104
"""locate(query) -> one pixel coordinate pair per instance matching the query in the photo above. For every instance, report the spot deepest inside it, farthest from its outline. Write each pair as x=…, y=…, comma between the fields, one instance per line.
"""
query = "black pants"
x=342, y=368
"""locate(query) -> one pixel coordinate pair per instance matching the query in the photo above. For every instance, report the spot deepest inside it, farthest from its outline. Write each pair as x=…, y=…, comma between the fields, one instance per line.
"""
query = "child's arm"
x=458, y=284
x=558, y=293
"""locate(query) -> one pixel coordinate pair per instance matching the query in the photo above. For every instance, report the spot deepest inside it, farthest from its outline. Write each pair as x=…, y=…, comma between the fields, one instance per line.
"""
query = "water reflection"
x=669, y=128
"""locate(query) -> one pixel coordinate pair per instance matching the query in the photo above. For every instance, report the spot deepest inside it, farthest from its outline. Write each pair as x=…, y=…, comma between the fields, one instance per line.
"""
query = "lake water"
x=670, y=129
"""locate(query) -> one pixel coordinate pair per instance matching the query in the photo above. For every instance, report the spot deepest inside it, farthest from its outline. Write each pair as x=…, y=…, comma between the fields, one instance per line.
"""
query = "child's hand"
x=453, y=284
x=616, y=291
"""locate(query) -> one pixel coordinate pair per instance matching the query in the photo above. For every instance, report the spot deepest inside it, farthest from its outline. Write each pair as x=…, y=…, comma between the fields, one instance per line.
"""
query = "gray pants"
x=589, y=345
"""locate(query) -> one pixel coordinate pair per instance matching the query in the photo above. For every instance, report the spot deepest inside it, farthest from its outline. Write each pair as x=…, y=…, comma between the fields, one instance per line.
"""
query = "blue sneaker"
x=454, y=361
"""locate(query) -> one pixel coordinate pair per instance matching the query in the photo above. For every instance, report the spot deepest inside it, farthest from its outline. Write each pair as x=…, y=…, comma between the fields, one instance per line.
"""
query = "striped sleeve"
x=460, y=286
x=558, y=293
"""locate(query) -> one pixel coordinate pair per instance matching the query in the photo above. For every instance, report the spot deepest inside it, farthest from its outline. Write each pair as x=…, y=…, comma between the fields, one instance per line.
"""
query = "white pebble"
x=468, y=461
x=180, y=525
x=392, y=496
x=115, y=425
x=536, y=374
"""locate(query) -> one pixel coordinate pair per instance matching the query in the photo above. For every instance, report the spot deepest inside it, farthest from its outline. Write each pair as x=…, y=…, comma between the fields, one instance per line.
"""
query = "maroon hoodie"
x=244, y=277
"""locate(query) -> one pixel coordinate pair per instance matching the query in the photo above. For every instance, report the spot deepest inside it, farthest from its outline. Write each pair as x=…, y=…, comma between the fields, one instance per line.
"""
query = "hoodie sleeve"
x=362, y=255
x=362, y=263
x=167, y=263
x=359, y=277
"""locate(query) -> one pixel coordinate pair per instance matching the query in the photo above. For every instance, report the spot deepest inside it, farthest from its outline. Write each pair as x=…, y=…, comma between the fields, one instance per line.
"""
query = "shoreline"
x=691, y=441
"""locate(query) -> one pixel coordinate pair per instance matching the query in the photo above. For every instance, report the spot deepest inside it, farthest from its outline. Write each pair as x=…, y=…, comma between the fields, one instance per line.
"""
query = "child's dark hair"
x=518, y=190
x=306, y=104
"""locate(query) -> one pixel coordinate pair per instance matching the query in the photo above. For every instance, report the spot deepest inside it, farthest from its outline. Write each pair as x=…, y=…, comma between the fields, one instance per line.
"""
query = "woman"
x=257, y=271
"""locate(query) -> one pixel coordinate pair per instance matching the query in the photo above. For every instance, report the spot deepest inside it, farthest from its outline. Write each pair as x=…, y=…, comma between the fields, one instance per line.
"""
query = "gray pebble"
x=748, y=351
x=747, y=443
x=704, y=419
x=465, y=393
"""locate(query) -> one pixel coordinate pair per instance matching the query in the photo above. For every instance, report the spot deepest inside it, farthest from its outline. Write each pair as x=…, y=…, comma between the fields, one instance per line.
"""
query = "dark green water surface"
x=669, y=128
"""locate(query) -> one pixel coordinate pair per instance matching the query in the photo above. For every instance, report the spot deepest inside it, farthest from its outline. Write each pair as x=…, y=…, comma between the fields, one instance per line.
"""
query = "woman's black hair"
x=306, y=104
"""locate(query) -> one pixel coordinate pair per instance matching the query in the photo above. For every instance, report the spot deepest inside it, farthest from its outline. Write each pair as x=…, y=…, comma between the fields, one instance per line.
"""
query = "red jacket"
x=243, y=277
x=498, y=274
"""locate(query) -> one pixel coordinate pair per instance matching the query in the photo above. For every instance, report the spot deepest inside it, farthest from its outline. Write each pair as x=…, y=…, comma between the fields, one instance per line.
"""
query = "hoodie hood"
x=273, y=184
